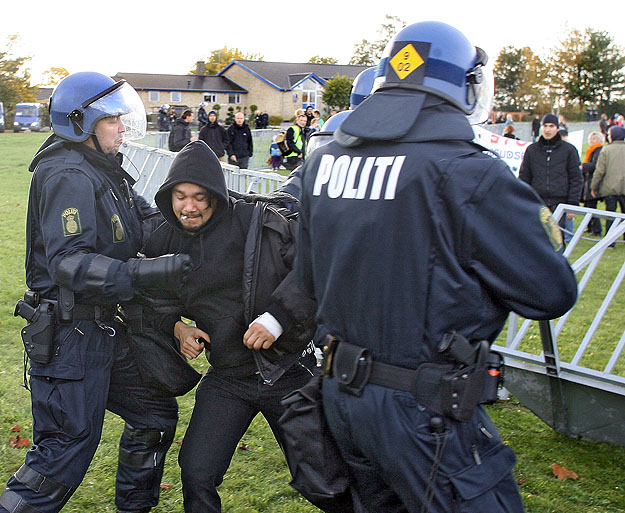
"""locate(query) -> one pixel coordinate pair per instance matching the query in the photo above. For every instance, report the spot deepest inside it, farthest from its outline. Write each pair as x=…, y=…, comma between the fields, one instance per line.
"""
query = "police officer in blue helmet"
x=361, y=87
x=83, y=234
x=416, y=245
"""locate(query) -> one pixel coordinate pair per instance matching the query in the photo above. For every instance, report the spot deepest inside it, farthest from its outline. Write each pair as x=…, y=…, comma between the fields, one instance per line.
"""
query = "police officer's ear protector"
x=76, y=116
x=475, y=75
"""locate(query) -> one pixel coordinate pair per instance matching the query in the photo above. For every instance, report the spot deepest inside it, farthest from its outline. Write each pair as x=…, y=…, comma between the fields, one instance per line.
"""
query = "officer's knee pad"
x=39, y=484
x=155, y=444
x=150, y=437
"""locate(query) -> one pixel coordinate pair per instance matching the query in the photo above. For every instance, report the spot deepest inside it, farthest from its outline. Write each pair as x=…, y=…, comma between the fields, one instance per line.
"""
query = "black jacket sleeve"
x=225, y=138
x=525, y=171
x=250, y=143
x=575, y=176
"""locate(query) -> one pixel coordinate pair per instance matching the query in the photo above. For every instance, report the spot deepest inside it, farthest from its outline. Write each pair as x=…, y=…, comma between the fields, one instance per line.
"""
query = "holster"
x=461, y=390
x=38, y=334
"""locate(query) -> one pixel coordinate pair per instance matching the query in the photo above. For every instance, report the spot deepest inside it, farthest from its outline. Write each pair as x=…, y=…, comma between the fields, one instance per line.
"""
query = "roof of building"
x=287, y=75
x=192, y=83
x=42, y=94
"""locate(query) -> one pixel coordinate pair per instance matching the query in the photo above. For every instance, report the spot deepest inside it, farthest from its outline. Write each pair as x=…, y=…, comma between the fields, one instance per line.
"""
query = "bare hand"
x=258, y=337
x=570, y=216
x=189, y=337
x=594, y=194
x=233, y=158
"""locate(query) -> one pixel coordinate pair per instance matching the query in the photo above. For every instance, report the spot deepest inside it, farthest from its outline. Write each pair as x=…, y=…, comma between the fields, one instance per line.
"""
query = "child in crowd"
x=276, y=156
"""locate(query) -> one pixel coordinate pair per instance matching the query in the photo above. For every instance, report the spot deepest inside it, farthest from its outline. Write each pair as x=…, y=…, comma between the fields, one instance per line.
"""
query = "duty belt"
x=451, y=389
x=82, y=312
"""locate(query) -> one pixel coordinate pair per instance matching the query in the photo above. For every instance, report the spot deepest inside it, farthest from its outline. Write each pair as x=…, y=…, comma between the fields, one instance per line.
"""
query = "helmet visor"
x=483, y=96
x=318, y=139
x=125, y=102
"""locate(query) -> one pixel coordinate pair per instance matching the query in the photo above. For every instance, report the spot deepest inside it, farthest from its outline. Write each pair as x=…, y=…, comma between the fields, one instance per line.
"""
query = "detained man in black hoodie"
x=254, y=326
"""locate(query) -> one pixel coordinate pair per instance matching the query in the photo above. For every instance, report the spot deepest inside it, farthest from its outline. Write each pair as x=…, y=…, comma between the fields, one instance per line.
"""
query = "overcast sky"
x=156, y=36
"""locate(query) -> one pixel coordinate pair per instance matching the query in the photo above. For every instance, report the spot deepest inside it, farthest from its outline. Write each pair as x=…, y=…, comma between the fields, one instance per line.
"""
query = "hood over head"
x=195, y=163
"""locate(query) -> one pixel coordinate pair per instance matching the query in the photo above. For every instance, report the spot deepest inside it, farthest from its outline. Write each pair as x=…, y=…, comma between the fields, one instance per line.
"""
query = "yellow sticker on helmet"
x=406, y=61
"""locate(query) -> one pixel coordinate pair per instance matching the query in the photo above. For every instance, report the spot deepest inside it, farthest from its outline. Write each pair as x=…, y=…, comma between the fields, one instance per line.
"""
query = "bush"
x=230, y=116
x=275, y=120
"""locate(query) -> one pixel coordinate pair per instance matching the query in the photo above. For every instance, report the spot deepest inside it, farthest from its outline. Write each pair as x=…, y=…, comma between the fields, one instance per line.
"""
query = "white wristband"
x=270, y=323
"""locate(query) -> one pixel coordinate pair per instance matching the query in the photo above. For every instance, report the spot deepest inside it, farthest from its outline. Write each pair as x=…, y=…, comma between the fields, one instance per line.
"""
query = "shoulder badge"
x=551, y=228
x=118, y=229
x=71, y=222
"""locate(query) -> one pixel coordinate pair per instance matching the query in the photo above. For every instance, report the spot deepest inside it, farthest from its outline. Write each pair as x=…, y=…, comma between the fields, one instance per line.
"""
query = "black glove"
x=164, y=273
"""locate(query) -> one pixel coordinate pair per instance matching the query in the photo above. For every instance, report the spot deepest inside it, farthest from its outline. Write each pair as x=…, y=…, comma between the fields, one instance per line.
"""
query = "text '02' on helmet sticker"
x=407, y=62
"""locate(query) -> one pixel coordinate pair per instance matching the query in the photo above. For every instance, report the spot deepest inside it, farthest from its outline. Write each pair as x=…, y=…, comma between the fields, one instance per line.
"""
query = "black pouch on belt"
x=352, y=367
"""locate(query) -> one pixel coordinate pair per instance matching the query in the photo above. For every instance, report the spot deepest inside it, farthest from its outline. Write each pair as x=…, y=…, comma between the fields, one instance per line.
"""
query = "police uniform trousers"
x=224, y=408
x=99, y=373
x=386, y=438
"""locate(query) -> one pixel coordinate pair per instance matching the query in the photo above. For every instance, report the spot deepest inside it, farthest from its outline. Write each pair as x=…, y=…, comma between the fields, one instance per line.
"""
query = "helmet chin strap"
x=96, y=143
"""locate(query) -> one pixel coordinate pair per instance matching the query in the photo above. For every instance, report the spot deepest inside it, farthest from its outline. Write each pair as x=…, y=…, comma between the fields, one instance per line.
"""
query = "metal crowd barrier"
x=580, y=394
x=261, y=139
x=153, y=165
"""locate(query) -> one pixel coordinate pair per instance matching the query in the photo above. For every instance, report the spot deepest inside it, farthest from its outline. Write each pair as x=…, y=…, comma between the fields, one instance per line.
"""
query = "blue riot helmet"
x=82, y=99
x=436, y=58
x=326, y=134
x=361, y=87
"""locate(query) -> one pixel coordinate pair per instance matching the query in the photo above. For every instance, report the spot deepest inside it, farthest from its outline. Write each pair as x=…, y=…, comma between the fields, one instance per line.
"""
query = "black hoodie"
x=234, y=279
x=212, y=295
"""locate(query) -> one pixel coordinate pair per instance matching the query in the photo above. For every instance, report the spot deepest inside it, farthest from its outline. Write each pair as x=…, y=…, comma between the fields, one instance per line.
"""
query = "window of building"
x=210, y=97
x=175, y=97
x=234, y=98
x=154, y=96
x=309, y=93
x=309, y=98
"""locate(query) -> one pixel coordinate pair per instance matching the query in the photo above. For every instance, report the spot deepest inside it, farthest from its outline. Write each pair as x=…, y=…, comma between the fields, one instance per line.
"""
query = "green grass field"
x=258, y=478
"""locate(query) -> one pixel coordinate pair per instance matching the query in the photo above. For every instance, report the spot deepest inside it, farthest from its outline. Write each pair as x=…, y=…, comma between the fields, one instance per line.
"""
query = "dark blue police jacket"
x=401, y=241
x=79, y=204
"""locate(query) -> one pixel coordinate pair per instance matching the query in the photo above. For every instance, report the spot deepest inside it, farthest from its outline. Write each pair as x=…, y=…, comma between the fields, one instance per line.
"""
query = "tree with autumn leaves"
x=14, y=76
x=220, y=58
x=585, y=68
